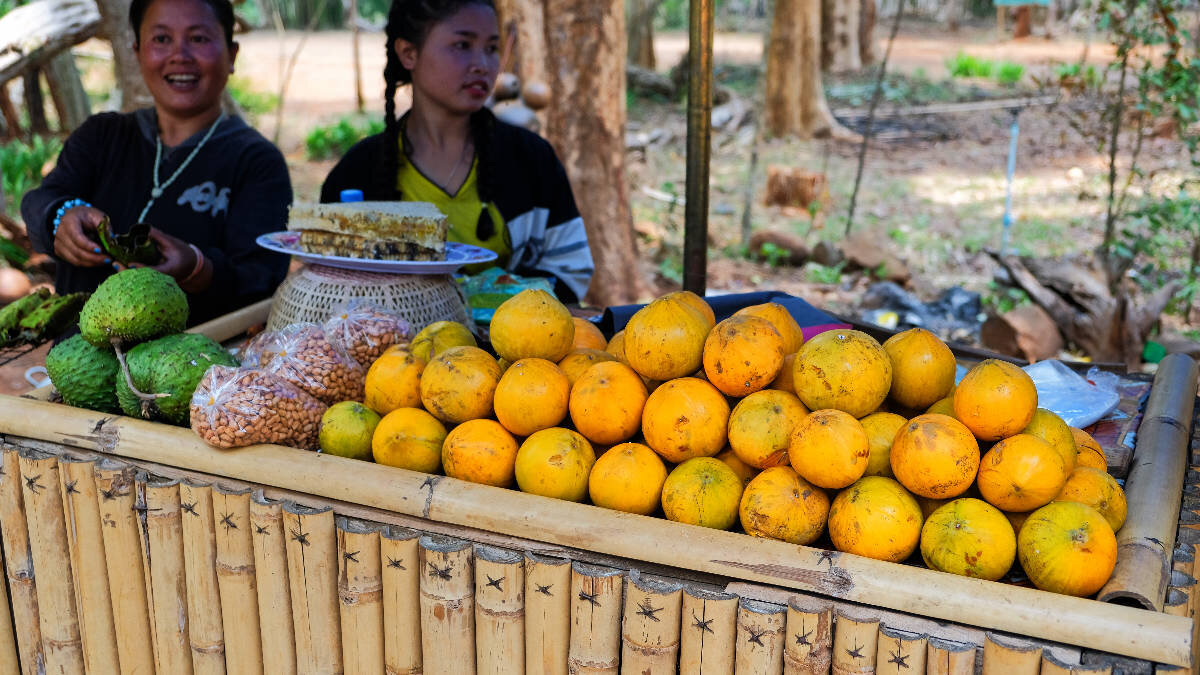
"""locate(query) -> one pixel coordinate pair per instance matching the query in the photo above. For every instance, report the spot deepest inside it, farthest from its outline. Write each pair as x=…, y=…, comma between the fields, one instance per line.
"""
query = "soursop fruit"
x=132, y=306
x=171, y=365
x=84, y=374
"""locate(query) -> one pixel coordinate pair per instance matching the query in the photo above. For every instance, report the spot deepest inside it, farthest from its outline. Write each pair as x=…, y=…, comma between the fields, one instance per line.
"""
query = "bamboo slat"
x=271, y=585
x=360, y=589
x=447, y=606
x=401, y=565
x=1176, y=603
x=499, y=611
x=235, y=323
x=1052, y=665
x=18, y=561
x=206, y=633
x=312, y=577
x=808, y=644
x=166, y=586
x=86, y=542
x=42, y=492
x=10, y=663
x=1010, y=657
x=650, y=629
x=235, y=580
x=760, y=633
x=596, y=594
x=708, y=632
x=1148, y=535
x=900, y=652
x=547, y=614
x=115, y=499
x=949, y=658
x=855, y=643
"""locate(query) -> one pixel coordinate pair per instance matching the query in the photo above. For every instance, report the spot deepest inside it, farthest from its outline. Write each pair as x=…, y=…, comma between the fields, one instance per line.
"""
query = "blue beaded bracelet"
x=62, y=210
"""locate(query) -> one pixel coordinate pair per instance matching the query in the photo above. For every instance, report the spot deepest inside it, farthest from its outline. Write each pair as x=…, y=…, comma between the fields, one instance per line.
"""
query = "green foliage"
x=773, y=254
x=333, y=140
x=1003, y=299
x=821, y=274
x=1008, y=73
x=671, y=268
x=252, y=101
x=21, y=166
x=1160, y=241
x=899, y=88
x=966, y=65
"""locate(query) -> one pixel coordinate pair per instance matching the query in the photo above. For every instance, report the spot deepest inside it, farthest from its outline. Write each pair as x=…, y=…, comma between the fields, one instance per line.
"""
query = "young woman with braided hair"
x=500, y=186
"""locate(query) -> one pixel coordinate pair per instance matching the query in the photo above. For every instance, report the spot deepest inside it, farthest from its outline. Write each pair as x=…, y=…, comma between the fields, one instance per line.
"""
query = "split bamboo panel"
x=61, y=645
x=360, y=589
x=1052, y=665
x=205, y=630
x=1176, y=603
x=900, y=652
x=650, y=629
x=499, y=611
x=86, y=542
x=708, y=632
x=1009, y=657
x=855, y=643
x=949, y=658
x=596, y=594
x=760, y=632
x=401, y=565
x=808, y=646
x=271, y=586
x=447, y=606
x=547, y=614
x=9, y=661
x=235, y=581
x=166, y=585
x=312, y=577
x=115, y=499
x=18, y=561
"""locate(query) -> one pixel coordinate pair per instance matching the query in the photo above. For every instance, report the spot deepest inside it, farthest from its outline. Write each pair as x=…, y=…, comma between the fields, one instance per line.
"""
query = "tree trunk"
x=34, y=102
x=795, y=101
x=1024, y=27
x=66, y=88
x=640, y=26
x=527, y=18
x=951, y=14
x=839, y=36
x=114, y=18
x=866, y=32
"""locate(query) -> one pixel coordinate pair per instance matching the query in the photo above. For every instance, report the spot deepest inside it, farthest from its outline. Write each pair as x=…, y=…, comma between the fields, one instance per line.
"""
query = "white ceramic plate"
x=457, y=255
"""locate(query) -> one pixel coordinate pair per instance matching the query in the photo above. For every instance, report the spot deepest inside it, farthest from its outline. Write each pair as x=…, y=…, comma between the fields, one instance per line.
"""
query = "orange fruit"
x=1021, y=473
x=628, y=477
x=702, y=491
x=409, y=438
x=881, y=428
x=532, y=324
x=685, y=418
x=928, y=506
x=935, y=456
x=1098, y=490
x=555, y=463
x=1067, y=547
x=1050, y=428
x=781, y=319
x=969, y=537
x=439, y=336
x=779, y=504
x=842, y=369
x=1017, y=518
x=616, y=347
x=1089, y=452
x=742, y=469
x=458, y=385
x=393, y=381
x=606, y=403
x=829, y=449
x=480, y=451
x=665, y=340
x=783, y=381
x=742, y=355
x=877, y=518
x=944, y=406
x=695, y=302
x=995, y=400
x=922, y=368
x=761, y=425
x=577, y=361
x=587, y=335
x=531, y=395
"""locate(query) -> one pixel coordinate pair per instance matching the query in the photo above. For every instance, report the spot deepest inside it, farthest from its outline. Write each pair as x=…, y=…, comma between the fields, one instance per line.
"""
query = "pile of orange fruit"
x=744, y=423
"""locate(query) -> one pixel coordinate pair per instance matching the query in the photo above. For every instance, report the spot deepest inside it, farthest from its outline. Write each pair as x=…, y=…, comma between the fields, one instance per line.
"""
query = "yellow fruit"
x=685, y=418
x=782, y=320
x=577, y=361
x=842, y=369
x=877, y=518
x=1098, y=490
x=665, y=340
x=1089, y=451
x=969, y=537
x=346, y=430
x=935, y=456
x=881, y=428
x=394, y=381
x=829, y=449
x=606, y=403
x=587, y=335
x=629, y=477
x=480, y=451
x=702, y=491
x=532, y=324
x=531, y=396
x=779, y=504
x=922, y=368
x=995, y=400
x=783, y=381
x=459, y=384
x=1021, y=473
x=695, y=302
x=742, y=469
x=1050, y=428
x=1067, y=547
x=761, y=426
x=409, y=438
x=555, y=463
x=742, y=355
x=616, y=347
x=439, y=336
x=943, y=406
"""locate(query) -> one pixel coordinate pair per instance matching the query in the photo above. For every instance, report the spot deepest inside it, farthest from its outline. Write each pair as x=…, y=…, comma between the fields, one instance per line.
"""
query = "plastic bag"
x=487, y=290
x=236, y=407
x=256, y=350
x=364, y=331
x=301, y=355
x=1079, y=402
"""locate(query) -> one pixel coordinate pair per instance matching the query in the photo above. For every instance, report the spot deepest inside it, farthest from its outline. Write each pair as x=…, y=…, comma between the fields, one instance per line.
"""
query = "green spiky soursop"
x=84, y=374
x=170, y=365
x=134, y=305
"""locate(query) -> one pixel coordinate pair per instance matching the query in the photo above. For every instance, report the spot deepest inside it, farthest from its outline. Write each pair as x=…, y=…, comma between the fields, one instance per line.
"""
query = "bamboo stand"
x=760, y=634
x=900, y=652
x=360, y=588
x=19, y=566
x=162, y=536
x=9, y=661
x=1004, y=658
x=401, y=600
x=650, y=629
x=447, y=606
x=808, y=646
x=547, y=614
x=1051, y=665
x=855, y=643
x=115, y=499
x=312, y=577
x=709, y=631
x=235, y=580
x=205, y=631
x=596, y=594
x=499, y=611
x=949, y=658
x=271, y=584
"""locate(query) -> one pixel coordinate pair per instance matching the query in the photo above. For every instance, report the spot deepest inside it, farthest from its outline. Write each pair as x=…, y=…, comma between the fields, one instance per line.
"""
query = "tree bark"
x=866, y=32
x=951, y=14
x=66, y=88
x=114, y=19
x=839, y=36
x=528, y=19
x=640, y=26
x=795, y=100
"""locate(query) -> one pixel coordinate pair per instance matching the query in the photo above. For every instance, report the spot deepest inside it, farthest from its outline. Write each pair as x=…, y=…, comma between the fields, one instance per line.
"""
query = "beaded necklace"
x=157, y=190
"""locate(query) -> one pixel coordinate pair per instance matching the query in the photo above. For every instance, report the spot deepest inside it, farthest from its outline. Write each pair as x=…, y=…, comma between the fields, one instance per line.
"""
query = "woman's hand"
x=180, y=262
x=72, y=243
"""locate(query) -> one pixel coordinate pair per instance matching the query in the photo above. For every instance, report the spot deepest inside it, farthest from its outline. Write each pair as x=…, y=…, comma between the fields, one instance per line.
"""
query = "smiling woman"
x=208, y=183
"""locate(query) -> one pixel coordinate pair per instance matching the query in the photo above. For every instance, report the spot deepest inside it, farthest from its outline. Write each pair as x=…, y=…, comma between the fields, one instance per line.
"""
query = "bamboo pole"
x=708, y=633
x=547, y=614
x=166, y=586
x=596, y=594
x=10, y=663
x=271, y=586
x=58, y=616
x=499, y=611
x=900, y=652
x=650, y=629
x=400, y=560
x=235, y=323
x=808, y=644
x=360, y=589
x=18, y=561
x=447, y=606
x=949, y=658
x=235, y=580
x=855, y=642
x=205, y=631
x=760, y=633
x=86, y=542
x=1010, y=657
x=1142, y=567
x=115, y=500
x=312, y=578
x=1052, y=665
x=1076, y=621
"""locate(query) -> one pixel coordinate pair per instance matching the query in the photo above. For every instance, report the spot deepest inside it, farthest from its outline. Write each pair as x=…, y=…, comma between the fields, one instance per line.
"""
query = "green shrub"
x=965, y=65
x=252, y=101
x=1009, y=73
x=21, y=166
x=333, y=140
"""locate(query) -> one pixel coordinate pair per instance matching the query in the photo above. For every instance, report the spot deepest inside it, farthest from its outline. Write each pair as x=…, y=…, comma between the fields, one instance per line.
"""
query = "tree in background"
x=795, y=99
x=114, y=19
x=639, y=19
x=840, y=52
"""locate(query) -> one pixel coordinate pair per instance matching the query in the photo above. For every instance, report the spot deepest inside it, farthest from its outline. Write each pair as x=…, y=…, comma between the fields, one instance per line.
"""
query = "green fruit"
x=172, y=365
x=346, y=430
x=51, y=317
x=12, y=313
x=134, y=305
x=84, y=374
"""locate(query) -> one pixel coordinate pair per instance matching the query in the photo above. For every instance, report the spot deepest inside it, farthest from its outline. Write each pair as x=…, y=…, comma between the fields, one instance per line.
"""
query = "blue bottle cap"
x=352, y=195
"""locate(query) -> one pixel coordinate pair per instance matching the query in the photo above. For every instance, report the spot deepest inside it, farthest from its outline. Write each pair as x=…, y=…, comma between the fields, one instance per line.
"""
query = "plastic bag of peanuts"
x=258, y=349
x=364, y=331
x=301, y=355
x=235, y=407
